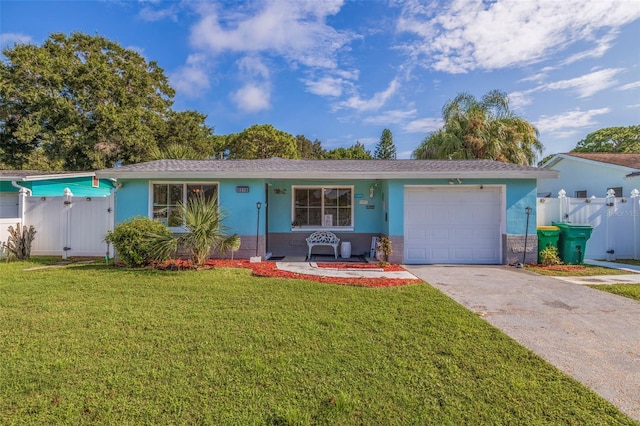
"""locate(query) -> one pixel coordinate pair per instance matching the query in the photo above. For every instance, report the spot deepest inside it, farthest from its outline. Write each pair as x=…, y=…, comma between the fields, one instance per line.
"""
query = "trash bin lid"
x=573, y=225
x=548, y=228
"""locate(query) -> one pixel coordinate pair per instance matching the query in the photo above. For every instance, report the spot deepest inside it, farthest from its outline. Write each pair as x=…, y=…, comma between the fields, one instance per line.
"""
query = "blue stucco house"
x=434, y=211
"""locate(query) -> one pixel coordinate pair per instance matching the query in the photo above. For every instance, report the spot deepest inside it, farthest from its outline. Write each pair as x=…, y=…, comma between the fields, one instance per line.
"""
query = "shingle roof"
x=12, y=174
x=363, y=169
x=624, y=160
x=7, y=175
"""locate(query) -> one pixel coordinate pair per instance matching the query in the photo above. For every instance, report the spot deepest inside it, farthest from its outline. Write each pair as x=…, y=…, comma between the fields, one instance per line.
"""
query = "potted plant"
x=383, y=250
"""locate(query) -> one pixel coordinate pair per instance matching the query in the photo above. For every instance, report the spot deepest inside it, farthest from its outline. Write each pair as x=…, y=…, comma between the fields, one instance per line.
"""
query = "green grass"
x=90, y=344
x=629, y=261
x=571, y=271
x=632, y=291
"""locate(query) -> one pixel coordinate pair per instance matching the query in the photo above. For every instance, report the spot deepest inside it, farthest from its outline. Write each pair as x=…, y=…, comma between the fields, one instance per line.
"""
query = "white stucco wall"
x=595, y=178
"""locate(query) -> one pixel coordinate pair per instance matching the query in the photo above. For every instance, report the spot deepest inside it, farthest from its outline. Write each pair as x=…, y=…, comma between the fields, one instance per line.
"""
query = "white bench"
x=323, y=238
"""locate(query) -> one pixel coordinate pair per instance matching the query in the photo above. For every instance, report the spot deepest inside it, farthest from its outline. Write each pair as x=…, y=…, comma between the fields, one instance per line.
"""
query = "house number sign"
x=242, y=189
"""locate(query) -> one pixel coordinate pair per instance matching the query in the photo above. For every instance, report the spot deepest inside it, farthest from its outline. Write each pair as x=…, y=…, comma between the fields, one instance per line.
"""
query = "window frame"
x=578, y=194
x=615, y=189
x=322, y=207
x=184, y=184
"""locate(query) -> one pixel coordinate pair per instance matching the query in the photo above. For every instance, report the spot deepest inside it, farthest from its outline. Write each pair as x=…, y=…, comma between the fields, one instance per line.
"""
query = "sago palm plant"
x=205, y=232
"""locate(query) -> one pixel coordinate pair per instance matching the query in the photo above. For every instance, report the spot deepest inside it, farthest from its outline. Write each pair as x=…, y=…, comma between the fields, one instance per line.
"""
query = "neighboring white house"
x=586, y=175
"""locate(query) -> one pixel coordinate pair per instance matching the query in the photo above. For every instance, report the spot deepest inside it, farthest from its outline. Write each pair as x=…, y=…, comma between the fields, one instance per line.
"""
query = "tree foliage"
x=309, y=150
x=356, y=151
x=261, y=141
x=187, y=128
x=483, y=129
x=385, y=149
x=611, y=139
x=82, y=102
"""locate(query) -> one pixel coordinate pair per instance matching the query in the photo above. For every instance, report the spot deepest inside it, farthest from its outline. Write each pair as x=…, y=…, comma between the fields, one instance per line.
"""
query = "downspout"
x=15, y=185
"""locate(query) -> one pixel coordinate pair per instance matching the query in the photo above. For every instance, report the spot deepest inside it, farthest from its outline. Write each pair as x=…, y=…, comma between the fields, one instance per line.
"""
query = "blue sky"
x=342, y=71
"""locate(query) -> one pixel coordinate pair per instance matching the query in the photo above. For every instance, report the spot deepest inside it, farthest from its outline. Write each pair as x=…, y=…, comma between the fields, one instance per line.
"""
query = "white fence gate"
x=66, y=225
x=615, y=222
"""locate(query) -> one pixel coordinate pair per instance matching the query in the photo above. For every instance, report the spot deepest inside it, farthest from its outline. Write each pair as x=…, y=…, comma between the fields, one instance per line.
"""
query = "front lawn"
x=95, y=344
x=632, y=291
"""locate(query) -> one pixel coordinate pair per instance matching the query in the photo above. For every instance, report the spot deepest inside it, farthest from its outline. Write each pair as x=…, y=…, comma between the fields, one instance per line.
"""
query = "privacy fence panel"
x=45, y=214
x=5, y=223
x=69, y=226
x=88, y=220
x=615, y=222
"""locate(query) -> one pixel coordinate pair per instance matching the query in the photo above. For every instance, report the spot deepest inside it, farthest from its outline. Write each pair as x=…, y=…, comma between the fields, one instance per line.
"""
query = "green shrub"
x=131, y=239
x=549, y=256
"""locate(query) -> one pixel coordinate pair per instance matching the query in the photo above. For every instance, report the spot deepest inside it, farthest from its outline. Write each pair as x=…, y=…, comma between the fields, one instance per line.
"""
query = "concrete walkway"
x=311, y=268
x=588, y=334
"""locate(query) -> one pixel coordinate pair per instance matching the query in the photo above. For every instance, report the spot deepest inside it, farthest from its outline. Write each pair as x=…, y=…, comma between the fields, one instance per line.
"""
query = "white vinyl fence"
x=615, y=222
x=65, y=225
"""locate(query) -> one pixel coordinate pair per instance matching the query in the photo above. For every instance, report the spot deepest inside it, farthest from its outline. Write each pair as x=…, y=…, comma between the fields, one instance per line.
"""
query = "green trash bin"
x=572, y=243
x=547, y=235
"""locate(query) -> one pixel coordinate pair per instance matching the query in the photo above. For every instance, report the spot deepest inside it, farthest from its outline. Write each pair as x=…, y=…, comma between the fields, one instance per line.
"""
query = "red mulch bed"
x=269, y=269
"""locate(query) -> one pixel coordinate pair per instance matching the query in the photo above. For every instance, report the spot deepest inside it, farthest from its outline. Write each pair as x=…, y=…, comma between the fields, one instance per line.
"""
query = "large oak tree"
x=261, y=141
x=612, y=139
x=82, y=102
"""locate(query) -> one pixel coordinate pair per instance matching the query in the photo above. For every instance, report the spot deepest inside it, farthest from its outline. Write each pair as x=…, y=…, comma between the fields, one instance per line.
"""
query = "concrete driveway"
x=590, y=335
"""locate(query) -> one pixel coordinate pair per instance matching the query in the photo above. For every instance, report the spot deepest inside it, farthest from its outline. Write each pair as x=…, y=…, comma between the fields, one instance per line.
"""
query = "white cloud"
x=7, y=39
x=150, y=14
x=192, y=79
x=252, y=97
x=255, y=95
x=464, y=35
x=376, y=102
x=253, y=67
x=519, y=99
x=294, y=30
x=601, y=46
x=395, y=116
x=423, y=125
x=630, y=86
x=570, y=122
x=587, y=84
x=325, y=86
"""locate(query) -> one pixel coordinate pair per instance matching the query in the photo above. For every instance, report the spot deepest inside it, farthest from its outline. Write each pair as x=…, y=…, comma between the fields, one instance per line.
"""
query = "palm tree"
x=206, y=232
x=483, y=129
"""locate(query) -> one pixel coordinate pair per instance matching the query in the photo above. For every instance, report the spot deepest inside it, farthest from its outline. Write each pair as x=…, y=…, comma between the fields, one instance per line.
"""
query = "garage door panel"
x=439, y=234
x=417, y=234
x=453, y=225
x=418, y=253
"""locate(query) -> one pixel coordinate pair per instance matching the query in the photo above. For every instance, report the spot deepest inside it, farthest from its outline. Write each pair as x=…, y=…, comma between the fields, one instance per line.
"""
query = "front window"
x=167, y=196
x=323, y=207
x=617, y=190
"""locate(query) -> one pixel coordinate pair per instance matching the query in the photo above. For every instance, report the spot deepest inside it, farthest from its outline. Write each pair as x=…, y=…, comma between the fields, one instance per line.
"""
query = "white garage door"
x=452, y=225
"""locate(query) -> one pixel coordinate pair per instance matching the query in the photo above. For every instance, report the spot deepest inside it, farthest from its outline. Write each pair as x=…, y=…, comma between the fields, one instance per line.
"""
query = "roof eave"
x=57, y=176
x=515, y=174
